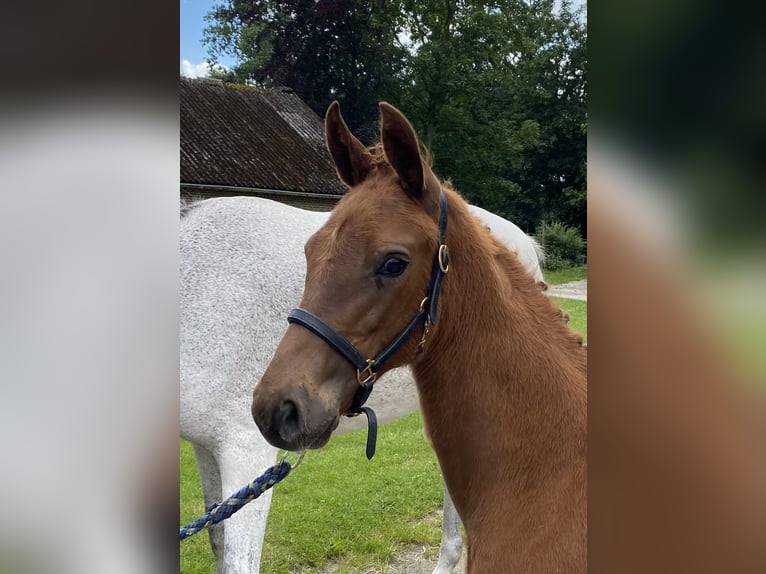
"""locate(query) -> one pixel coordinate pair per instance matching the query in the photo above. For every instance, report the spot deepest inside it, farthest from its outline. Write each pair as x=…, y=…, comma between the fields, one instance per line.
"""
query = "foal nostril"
x=287, y=420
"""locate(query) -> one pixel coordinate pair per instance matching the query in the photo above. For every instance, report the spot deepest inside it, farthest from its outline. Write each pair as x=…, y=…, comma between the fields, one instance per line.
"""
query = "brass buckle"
x=443, y=258
x=366, y=375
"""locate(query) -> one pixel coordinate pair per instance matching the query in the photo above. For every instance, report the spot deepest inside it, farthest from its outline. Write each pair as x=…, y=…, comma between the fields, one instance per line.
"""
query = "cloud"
x=201, y=70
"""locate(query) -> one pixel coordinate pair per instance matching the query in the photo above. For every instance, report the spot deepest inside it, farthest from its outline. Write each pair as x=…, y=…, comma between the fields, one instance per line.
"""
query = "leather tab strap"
x=372, y=431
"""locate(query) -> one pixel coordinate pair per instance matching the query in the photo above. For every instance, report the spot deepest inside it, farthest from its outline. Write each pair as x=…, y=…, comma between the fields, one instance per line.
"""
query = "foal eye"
x=393, y=267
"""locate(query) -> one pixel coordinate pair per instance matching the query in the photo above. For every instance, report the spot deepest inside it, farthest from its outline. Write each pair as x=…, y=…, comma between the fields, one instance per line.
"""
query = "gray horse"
x=242, y=270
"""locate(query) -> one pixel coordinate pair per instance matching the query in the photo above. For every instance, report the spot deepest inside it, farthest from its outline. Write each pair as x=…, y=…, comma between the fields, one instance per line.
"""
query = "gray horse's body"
x=242, y=270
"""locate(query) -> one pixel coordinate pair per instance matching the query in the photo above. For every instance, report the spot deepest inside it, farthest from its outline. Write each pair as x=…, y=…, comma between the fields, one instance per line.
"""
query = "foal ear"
x=352, y=160
x=400, y=145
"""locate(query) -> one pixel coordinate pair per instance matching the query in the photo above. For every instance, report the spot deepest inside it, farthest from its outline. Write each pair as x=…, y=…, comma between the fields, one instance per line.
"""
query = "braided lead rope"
x=217, y=512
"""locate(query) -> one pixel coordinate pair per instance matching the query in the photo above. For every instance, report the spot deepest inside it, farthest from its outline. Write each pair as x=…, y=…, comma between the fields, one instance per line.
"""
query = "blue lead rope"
x=221, y=511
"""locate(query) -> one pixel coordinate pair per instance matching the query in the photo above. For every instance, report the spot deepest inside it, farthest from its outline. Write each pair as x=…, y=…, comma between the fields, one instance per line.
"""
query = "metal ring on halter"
x=443, y=258
x=297, y=462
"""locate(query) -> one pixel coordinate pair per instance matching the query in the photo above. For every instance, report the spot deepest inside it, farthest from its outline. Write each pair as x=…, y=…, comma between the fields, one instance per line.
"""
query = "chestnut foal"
x=402, y=273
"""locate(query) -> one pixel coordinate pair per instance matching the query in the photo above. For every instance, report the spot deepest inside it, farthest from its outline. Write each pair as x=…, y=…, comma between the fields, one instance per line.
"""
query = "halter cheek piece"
x=367, y=369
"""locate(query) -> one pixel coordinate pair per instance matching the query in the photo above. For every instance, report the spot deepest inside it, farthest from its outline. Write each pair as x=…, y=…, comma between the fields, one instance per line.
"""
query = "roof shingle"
x=250, y=137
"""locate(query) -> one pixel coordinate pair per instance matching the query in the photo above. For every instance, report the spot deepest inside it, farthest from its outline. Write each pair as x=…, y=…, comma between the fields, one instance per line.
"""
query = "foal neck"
x=502, y=374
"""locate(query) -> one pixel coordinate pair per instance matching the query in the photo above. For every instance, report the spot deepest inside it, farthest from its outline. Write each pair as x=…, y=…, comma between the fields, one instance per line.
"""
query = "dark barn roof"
x=239, y=136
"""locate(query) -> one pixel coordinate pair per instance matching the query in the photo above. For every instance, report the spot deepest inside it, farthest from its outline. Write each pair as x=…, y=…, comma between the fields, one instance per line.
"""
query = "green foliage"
x=496, y=89
x=563, y=245
x=345, y=50
x=498, y=93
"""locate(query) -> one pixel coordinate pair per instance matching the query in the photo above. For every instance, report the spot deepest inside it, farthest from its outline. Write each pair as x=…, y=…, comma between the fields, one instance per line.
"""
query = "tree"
x=498, y=92
x=495, y=88
x=323, y=50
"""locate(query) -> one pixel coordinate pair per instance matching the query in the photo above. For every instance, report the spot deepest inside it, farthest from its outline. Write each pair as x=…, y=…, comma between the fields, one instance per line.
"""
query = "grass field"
x=196, y=555
x=565, y=275
x=578, y=310
x=578, y=314
x=340, y=507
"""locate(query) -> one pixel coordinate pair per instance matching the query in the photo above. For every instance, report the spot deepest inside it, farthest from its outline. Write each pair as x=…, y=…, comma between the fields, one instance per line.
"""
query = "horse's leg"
x=243, y=532
x=210, y=477
x=452, y=541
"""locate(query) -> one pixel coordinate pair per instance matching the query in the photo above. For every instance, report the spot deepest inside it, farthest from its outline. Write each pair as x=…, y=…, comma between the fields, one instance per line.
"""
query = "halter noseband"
x=367, y=369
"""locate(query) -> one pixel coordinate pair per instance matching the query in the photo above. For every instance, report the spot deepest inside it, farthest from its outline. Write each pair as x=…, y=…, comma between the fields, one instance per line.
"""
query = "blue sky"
x=193, y=54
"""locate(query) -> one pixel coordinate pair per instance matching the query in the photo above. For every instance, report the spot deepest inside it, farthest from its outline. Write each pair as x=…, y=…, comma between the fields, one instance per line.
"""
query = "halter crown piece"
x=367, y=369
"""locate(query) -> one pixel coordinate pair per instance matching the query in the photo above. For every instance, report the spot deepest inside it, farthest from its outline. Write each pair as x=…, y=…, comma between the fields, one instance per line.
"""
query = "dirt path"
x=572, y=290
x=414, y=560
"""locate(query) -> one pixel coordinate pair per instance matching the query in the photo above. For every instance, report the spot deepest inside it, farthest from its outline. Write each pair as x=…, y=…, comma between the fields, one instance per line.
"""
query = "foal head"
x=368, y=270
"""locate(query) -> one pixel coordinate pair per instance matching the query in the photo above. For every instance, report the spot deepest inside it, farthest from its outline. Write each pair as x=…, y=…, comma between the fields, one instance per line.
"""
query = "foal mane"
x=541, y=304
x=521, y=294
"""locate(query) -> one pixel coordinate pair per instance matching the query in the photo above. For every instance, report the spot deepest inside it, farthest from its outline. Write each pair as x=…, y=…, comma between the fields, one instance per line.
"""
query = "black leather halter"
x=367, y=369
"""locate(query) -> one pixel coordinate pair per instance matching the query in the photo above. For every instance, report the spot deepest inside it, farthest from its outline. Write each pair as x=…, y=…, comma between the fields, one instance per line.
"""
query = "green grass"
x=578, y=314
x=338, y=505
x=578, y=310
x=560, y=276
x=196, y=555
x=353, y=510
